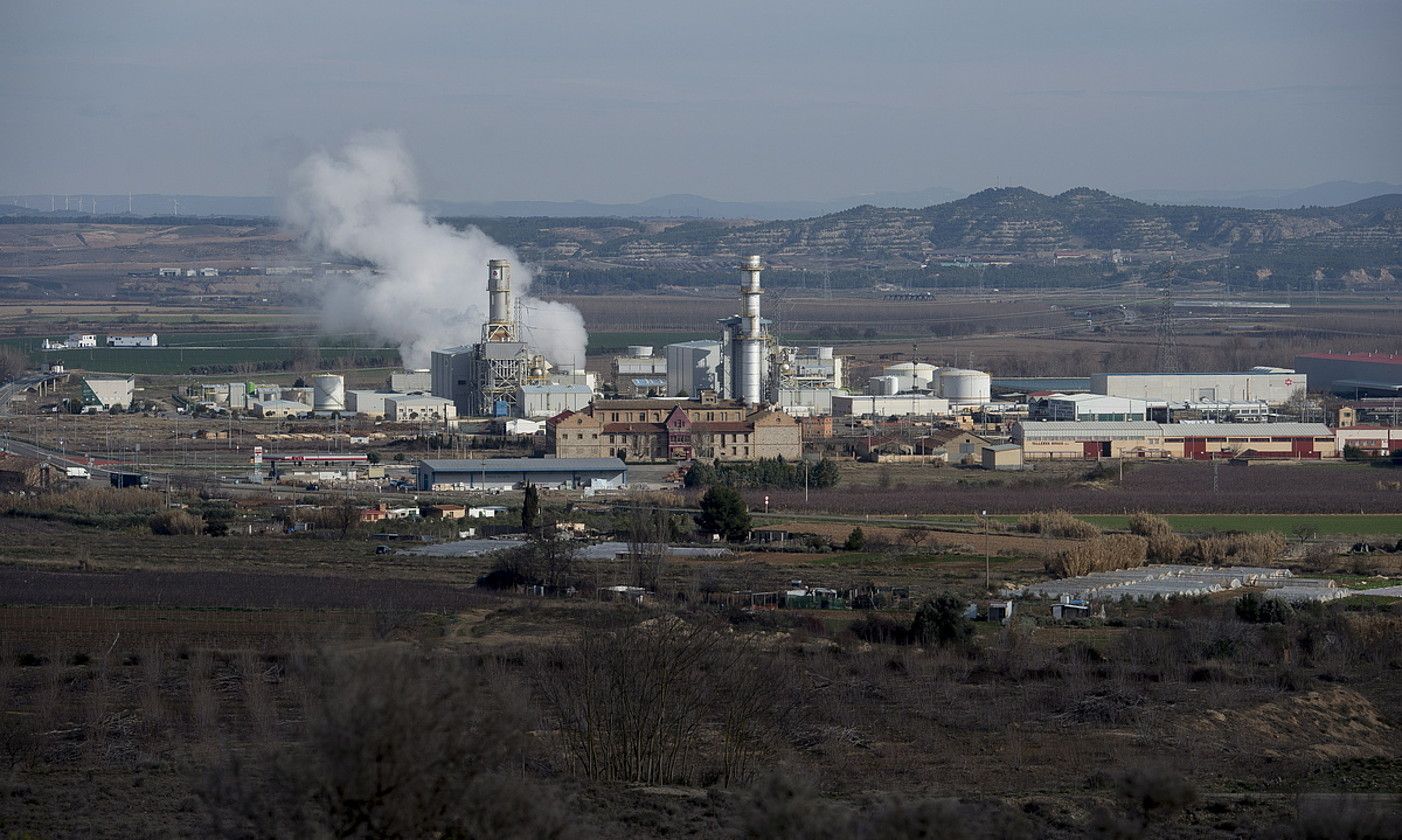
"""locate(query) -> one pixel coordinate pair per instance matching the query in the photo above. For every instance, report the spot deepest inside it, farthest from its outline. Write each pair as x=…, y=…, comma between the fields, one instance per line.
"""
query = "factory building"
x=1092, y=407
x=658, y=431
x=411, y=408
x=894, y=405
x=541, y=401
x=1373, y=441
x=107, y=393
x=512, y=473
x=367, y=403
x=1353, y=374
x=409, y=381
x=693, y=367
x=484, y=379
x=1197, y=441
x=1269, y=384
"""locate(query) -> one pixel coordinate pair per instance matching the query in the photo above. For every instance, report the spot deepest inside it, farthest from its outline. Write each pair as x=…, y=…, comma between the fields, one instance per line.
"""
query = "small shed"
x=1002, y=456
x=1000, y=611
x=1068, y=610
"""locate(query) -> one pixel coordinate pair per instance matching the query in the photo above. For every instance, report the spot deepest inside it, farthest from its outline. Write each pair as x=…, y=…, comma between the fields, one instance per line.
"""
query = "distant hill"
x=1330, y=194
x=1019, y=221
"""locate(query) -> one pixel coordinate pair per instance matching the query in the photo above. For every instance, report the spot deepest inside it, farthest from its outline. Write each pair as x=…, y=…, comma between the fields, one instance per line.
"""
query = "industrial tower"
x=746, y=342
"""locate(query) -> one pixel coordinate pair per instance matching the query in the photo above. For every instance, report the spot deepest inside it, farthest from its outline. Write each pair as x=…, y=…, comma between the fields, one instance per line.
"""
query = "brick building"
x=651, y=430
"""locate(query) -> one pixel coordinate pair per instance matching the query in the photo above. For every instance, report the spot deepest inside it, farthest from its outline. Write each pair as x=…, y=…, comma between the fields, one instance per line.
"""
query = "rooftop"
x=515, y=465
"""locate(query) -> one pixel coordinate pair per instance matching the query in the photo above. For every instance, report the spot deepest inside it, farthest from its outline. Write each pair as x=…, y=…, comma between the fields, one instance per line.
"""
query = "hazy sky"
x=617, y=101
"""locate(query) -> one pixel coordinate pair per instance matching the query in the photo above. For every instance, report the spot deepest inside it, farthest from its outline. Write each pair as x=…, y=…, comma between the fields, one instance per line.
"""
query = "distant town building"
x=511, y=473
x=673, y=430
x=138, y=340
x=1197, y=441
x=107, y=393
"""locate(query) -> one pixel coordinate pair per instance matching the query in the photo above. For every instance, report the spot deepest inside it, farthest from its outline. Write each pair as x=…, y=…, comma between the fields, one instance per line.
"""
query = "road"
x=10, y=390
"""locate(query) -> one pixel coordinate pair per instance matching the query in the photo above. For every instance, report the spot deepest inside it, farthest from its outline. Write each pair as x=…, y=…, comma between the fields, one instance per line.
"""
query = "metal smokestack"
x=499, y=326
x=751, y=343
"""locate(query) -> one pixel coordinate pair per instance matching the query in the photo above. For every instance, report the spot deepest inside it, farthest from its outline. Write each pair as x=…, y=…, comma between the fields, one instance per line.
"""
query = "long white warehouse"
x=1272, y=385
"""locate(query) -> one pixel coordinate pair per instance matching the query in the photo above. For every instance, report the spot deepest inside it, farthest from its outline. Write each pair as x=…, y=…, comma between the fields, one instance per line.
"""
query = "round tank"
x=923, y=374
x=328, y=392
x=903, y=371
x=965, y=387
x=639, y=351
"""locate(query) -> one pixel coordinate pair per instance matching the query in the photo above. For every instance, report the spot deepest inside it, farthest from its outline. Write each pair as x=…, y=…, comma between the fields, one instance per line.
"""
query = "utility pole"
x=987, y=563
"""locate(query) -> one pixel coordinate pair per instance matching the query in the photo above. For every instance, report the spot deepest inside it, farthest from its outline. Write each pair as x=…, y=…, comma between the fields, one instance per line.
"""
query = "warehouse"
x=1097, y=407
x=279, y=409
x=1353, y=374
x=1273, y=385
x=367, y=403
x=511, y=473
x=1197, y=441
x=898, y=405
x=107, y=393
x=541, y=401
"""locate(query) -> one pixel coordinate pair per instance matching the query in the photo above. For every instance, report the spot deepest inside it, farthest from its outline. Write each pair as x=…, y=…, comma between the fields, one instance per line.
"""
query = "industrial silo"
x=904, y=372
x=964, y=387
x=884, y=386
x=328, y=392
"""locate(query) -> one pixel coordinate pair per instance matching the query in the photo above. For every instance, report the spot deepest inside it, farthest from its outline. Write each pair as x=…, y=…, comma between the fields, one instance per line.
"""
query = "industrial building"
x=1197, y=441
x=1093, y=407
x=693, y=367
x=139, y=340
x=542, y=401
x=279, y=409
x=484, y=379
x=410, y=408
x=410, y=381
x=367, y=403
x=1372, y=441
x=322, y=466
x=639, y=371
x=894, y=405
x=1353, y=374
x=658, y=431
x=511, y=473
x=1269, y=384
x=108, y=392
x=1002, y=456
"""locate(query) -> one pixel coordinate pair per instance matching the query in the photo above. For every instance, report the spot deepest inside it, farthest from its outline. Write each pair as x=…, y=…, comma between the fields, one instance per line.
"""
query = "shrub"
x=856, y=540
x=1057, y=523
x=1231, y=549
x=1101, y=554
x=941, y=621
x=1257, y=610
x=176, y=522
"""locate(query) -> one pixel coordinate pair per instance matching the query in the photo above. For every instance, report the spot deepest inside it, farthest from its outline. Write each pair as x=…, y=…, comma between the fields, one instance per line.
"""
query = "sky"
x=740, y=100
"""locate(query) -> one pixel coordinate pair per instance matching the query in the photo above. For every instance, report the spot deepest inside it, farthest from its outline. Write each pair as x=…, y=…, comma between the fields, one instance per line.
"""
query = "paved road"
x=10, y=390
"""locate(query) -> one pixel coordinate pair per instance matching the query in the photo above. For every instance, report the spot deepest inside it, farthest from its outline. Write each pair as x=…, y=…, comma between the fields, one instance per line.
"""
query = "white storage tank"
x=964, y=387
x=884, y=386
x=914, y=376
x=328, y=392
x=924, y=374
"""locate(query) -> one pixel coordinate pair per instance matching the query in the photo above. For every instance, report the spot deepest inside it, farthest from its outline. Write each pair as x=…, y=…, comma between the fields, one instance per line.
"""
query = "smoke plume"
x=427, y=288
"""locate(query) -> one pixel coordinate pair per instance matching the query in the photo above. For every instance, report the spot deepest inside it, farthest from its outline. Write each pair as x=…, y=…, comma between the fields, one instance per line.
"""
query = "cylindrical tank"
x=639, y=351
x=903, y=371
x=923, y=374
x=749, y=372
x=884, y=386
x=965, y=387
x=328, y=392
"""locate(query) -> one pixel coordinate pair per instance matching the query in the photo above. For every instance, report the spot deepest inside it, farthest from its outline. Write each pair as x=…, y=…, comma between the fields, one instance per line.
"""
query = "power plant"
x=485, y=379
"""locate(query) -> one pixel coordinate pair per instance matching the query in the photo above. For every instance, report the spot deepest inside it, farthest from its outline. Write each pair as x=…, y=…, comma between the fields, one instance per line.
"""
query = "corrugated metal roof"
x=509, y=465
x=1057, y=428
x=1247, y=429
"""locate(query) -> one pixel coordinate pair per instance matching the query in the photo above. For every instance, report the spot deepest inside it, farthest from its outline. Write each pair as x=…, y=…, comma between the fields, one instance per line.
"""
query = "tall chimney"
x=499, y=326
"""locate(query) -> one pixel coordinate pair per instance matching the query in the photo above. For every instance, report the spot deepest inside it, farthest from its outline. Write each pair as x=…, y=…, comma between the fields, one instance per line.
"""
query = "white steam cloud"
x=428, y=286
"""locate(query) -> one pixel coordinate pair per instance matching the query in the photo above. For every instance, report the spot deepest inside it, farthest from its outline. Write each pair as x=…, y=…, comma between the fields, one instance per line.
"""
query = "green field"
x=1369, y=524
x=182, y=352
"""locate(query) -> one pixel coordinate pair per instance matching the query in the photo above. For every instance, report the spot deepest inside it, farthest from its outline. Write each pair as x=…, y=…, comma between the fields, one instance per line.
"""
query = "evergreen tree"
x=530, y=508
x=723, y=512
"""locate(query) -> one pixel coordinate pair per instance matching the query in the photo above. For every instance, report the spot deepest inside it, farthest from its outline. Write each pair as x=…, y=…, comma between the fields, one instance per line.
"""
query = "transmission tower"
x=1166, y=352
